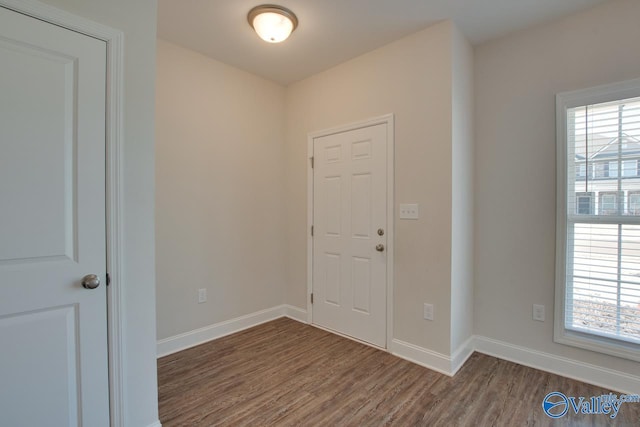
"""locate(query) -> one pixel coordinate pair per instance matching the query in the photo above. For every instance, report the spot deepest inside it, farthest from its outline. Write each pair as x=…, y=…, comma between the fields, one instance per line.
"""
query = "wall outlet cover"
x=428, y=311
x=202, y=296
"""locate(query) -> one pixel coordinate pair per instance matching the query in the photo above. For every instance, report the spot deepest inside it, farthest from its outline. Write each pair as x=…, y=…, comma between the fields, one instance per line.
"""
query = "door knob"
x=90, y=281
x=379, y=247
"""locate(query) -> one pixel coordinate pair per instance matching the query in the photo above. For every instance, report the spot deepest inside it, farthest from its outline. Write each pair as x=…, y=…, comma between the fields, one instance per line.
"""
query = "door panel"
x=333, y=188
x=350, y=205
x=45, y=343
x=361, y=206
x=37, y=233
x=332, y=279
x=52, y=225
x=361, y=269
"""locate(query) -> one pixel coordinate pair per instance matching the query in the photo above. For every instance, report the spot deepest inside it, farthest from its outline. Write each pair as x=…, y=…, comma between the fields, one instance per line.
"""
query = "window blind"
x=602, y=291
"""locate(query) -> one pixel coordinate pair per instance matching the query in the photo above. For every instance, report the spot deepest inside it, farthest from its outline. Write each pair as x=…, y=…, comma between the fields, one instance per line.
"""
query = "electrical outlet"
x=428, y=311
x=409, y=211
x=538, y=312
x=202, y=296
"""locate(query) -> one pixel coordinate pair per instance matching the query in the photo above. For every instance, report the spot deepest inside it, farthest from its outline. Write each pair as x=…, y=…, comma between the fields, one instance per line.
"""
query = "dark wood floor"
x=288, y=373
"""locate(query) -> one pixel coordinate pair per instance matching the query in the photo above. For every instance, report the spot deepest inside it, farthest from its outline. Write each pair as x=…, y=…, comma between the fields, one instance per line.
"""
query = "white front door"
x=350, y=233
x=53, y=332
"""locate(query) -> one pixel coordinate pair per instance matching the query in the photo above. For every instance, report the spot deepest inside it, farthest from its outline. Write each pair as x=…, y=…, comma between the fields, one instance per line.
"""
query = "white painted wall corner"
x=421, y=356
x=447, y=365
x=295, y=313
x=462, y=354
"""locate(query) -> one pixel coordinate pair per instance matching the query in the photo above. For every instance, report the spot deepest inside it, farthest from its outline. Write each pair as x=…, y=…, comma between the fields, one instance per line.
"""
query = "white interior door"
x=53, y=332
x=350, y=233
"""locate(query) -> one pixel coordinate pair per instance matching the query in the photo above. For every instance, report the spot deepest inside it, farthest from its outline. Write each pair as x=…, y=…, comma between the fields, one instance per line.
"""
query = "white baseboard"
x=155, y=424
x=447, y=365
x=218, y=330
x=460, y=356
x=295, y=313
x=592, y=374
x=424, y=357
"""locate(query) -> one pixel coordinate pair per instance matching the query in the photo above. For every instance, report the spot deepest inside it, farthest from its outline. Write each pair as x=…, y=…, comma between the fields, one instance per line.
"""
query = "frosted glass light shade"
x=272, y=23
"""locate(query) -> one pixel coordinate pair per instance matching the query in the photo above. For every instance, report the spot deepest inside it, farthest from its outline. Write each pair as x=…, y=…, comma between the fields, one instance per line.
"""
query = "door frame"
x=114, y=189
x=387, y=119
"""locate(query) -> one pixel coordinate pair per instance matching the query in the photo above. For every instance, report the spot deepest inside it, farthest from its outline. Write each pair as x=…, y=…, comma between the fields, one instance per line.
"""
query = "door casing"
x=387, y=119
x=114, y=188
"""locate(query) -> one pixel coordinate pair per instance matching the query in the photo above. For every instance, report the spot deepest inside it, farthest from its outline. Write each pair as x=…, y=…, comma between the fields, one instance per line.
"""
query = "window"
x=634, y=203
x=629, y=167
x=584, y=203
x=598, y=249
x=608, y=203
x=581, y=170
x=602, y=170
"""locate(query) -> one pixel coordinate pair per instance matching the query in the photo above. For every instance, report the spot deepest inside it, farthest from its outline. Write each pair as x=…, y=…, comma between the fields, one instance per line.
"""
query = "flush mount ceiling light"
x=272, y=23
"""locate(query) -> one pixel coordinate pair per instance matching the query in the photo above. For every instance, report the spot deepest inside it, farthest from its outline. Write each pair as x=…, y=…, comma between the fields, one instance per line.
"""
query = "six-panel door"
x=350, y=219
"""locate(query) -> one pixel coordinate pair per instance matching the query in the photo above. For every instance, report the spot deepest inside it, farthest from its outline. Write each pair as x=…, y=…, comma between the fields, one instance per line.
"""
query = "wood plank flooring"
x=291, y=374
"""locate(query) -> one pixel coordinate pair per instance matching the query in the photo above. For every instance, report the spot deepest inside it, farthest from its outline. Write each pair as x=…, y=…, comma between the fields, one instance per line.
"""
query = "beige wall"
x=462, y=150
x=483, y=249
x=137, y=19
x=410, y=78
x=516, y=80
x=220, y=191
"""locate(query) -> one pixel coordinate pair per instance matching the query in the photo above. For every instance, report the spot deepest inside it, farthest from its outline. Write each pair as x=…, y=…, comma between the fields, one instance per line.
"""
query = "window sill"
x=624, y=350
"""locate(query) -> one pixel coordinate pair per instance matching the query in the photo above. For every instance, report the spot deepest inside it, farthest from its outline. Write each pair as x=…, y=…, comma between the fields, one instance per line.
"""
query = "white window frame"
x=565, y=101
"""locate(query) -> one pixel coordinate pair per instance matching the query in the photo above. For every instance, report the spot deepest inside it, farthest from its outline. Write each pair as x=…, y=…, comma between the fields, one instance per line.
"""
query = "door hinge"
x=312, y=298
x=108, y=279
x=312, y=231
x=312, y=161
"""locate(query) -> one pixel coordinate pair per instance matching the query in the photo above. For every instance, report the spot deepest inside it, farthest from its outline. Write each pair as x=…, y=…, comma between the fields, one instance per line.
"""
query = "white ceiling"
x=333, y=31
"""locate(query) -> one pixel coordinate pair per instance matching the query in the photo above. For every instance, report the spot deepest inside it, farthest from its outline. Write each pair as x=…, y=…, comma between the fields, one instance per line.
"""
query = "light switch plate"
x=409, y=211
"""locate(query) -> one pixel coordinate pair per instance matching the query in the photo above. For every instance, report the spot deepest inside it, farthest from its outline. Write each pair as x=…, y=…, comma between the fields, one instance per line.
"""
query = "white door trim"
x=389, y=121
x=114, y=190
